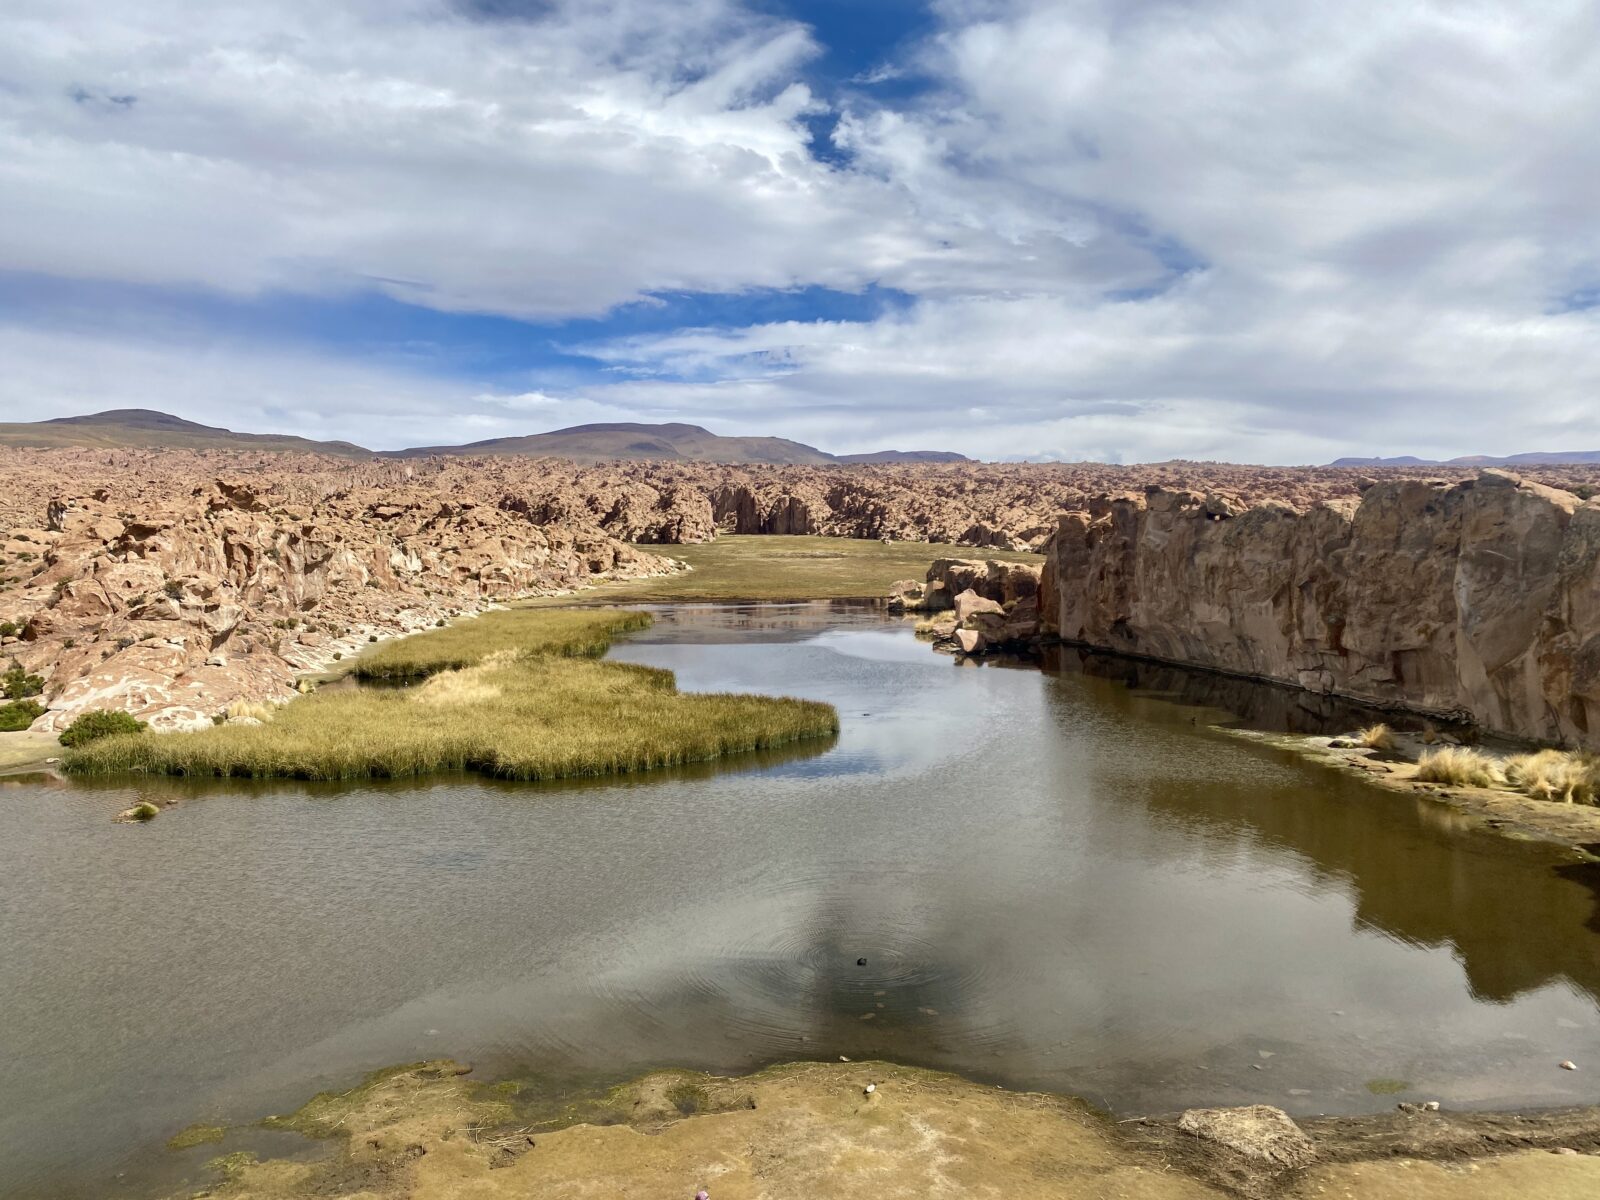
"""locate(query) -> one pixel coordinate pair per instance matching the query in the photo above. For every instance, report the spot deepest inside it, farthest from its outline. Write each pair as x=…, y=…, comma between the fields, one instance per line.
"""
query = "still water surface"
x=1057, y=882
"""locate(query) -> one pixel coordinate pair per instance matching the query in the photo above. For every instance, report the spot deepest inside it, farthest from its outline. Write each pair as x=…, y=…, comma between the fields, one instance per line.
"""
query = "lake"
x=1062, y=879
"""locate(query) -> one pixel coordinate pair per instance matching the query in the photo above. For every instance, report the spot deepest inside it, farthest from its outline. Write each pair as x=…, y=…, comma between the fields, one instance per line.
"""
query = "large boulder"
x=968, y=604
x=1258, y=1132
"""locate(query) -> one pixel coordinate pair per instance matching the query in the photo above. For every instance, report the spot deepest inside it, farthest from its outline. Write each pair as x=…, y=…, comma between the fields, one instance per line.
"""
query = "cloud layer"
x=1129, y=229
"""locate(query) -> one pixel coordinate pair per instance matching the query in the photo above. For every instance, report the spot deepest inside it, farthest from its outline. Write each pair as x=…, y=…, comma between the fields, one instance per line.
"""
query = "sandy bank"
x=813, y=1130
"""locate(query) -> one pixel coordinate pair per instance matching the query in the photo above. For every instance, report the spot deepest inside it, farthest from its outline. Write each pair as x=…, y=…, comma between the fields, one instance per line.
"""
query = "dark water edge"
x=1061, y=879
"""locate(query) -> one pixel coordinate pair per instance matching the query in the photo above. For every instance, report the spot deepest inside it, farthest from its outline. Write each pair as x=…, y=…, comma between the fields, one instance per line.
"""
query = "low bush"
x=17, y=684
x=92, y=726
x=1459, y=767
x=19, y=714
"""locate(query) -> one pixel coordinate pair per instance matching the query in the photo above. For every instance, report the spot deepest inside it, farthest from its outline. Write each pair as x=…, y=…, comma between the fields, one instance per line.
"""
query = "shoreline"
x=856, y=1129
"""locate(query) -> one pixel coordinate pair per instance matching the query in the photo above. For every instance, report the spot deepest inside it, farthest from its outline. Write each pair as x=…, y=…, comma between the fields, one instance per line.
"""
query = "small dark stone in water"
x=861, y=962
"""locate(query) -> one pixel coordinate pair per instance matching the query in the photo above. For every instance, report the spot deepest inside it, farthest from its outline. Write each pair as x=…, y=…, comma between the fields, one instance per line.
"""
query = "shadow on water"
x=1419, y=871
x=1251, y=703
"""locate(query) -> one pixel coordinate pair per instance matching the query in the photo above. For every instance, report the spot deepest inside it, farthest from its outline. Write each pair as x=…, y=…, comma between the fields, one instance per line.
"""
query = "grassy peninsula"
x=773, y=567
x=517, y=695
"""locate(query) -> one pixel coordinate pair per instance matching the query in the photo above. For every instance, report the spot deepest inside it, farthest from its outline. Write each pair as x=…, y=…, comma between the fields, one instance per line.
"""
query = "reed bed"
x=568, y=632
x=521, y=713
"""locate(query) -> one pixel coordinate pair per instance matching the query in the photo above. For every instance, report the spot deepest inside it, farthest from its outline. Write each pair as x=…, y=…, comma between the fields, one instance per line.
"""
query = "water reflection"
x=1055, y=881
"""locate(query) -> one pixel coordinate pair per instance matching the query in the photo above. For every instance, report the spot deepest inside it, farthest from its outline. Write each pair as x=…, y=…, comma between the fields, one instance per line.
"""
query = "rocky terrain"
x=1477, y=598
x=173, y=583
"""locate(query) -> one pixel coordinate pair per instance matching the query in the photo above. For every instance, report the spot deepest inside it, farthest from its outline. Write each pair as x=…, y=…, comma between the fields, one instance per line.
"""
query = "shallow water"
x=1057, y=881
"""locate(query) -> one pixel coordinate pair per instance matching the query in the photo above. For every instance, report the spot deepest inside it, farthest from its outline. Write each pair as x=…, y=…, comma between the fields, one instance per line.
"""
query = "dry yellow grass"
x=522, y=714
x=1376, y=737
x=241, y=709
x=1556, y=775
x=1459, y=767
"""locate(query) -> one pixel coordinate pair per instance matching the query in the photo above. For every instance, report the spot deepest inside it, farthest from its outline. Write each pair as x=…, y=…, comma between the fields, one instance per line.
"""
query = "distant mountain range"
x=1533, y=459
x=141, y=427
x=145, y=429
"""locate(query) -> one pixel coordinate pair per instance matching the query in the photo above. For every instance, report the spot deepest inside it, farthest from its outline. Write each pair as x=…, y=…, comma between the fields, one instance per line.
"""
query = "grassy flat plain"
x=766, y=567
x=509, y=694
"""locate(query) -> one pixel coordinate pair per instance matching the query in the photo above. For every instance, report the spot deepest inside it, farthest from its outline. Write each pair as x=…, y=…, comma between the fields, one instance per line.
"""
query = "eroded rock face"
x=1479, y=598
x=171, y=596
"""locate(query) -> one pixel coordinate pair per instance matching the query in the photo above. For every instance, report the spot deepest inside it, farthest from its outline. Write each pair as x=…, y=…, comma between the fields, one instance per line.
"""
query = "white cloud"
x=1370, y=213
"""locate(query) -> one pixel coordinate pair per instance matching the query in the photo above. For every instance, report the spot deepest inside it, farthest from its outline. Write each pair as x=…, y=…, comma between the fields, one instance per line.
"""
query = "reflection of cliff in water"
x=1273, y=707
x=1418, y=871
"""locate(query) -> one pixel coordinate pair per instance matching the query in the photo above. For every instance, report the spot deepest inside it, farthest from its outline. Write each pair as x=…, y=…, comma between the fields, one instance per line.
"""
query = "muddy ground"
x=813, y=1130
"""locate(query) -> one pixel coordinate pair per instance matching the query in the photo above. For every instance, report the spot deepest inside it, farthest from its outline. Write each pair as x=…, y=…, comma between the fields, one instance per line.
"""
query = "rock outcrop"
x=991, y=605
x=1478, y=599
x=174, y=598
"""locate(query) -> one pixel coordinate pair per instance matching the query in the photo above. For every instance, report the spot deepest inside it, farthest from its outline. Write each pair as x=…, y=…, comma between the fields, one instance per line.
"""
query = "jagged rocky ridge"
x=173, y=597
x=1478, y=599
x=171, y=582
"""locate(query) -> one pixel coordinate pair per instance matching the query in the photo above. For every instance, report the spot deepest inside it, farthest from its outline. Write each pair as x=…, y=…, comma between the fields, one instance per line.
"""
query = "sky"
x=1118, y=230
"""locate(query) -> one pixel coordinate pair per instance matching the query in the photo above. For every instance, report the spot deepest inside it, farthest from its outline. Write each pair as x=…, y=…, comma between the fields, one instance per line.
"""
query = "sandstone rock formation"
x=171, y=595
x=1477, y=599
x=994, y=605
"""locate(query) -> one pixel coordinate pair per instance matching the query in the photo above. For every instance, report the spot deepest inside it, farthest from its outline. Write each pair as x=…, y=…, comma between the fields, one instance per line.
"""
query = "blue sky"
x=1109, y=229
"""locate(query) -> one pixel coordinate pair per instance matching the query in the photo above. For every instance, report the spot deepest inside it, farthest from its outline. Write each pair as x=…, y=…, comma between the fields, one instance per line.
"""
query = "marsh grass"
x=527, y=710
x=1458, y=767
x=1556, y=775
x=567, y=632
x=781, y=567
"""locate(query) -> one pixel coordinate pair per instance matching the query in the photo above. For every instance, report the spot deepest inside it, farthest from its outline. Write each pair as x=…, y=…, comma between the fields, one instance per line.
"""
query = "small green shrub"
x=9, y=629
x=92, y=726
x=173, y=589
x=19, y=714
x=17, y=684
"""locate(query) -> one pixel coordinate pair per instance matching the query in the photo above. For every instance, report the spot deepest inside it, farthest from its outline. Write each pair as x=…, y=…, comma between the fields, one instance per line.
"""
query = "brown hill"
x=122, y=428
x=628, y=440
x=141, y=428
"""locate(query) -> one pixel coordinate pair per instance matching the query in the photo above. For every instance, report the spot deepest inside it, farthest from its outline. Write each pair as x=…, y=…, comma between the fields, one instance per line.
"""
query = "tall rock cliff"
x=1479, y=599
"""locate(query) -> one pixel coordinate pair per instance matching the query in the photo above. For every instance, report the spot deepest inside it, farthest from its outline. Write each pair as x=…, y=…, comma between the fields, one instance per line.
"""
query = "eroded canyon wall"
x=1478, y=598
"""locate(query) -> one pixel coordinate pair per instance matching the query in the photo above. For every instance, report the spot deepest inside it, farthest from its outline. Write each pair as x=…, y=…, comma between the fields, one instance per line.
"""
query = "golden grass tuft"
x=1556, y=775
x=1459, y=767
x=531, y=714
x=241, y=709
x=1376, y=737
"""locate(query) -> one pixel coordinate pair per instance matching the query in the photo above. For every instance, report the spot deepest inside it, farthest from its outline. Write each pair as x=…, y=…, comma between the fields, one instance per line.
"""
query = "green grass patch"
x=768, y=567
x=196, y=1135
x=1388, y=1087
x=566, y=632
x=526, y=711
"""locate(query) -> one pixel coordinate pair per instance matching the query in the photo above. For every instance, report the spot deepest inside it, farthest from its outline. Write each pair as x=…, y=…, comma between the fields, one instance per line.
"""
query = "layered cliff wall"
x=1479, y=599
